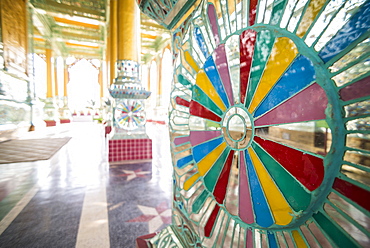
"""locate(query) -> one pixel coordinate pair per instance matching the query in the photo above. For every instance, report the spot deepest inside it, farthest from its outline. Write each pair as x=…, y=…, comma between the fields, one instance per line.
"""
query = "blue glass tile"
x=261, y=210
x=200, y=40
x=299, y=75
x=200, y=151
x=184, y=161
x=355, y=27
x=214, y=77
x=272, y=240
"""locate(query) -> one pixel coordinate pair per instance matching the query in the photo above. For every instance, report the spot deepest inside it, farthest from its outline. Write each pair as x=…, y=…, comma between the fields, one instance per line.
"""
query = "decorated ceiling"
x=79, y=28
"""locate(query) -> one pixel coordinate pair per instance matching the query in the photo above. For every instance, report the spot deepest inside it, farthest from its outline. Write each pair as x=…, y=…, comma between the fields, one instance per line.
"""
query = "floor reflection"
x=64, y=191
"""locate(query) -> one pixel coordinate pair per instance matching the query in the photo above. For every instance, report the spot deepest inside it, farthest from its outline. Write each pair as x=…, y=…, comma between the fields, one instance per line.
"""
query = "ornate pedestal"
x=129, y=140
x=64, y=112
x=51, y=115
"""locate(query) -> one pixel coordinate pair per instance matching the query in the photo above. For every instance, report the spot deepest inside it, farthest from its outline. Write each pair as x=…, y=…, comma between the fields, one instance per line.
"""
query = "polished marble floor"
x=78, y=199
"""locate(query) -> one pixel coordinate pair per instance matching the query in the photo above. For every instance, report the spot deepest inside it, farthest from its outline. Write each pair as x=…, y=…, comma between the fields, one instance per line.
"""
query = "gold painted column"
x=100, y=80
x=65, y=113
x=66, y=79
x=159, y=80
x=126, y=89
x=112, y=41
x=50, y=90
x=55, y=78
x=128, y=34
x=51, y=116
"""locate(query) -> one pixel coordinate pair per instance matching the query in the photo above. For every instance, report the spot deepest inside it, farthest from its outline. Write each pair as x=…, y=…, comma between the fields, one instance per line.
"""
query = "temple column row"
x=56, y=104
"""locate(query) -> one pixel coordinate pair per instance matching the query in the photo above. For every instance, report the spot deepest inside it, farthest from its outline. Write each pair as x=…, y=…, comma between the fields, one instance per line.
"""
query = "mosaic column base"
x=129, y=149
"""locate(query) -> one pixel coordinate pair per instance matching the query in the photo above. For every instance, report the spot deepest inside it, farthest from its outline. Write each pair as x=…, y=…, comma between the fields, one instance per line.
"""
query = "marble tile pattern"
x=77, y=199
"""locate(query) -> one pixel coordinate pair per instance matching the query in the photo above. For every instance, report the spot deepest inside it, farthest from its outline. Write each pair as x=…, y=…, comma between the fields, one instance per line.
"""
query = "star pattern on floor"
x=155, y=216
x=132, y=174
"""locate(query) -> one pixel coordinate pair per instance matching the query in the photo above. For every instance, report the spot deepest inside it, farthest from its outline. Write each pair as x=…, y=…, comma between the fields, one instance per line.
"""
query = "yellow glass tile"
x=190, y=181
x=190, y=60
x=282, y=55
x=231, y=6
x=206, y=163
x=298, y=239
x=203, y=82
x=309, y=16
x=278, y=205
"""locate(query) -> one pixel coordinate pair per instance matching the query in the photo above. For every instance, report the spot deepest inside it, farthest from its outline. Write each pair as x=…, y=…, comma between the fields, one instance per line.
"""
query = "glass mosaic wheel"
x=270, y=124
x=129, y=114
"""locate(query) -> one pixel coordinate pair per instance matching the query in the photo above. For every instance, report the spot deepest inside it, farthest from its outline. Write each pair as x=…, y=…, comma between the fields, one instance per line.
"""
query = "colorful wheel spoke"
x=314, y=7
x=199, y=202
x=182, y=80
x=280, y=209
x=214, y=77
x=277, y=12
x=359, y=89
x=182, y=101
x=190, y=60
x=209, y=160
x=261, y=209
x=211, y=221
x=184, y=161
x=205, y=100
x=294, y=193
x=200, y=151
x=357, y=26
x=205, y=85
x=200, y=40
x=211, y=11
x=213, y=174
x=198, y=137
x=269, y=123
x=245, y=201
x=307, y=169
x=299, y=75
x=191, y=181
x=247, y=41
x=197, y=109
x=272, y=240
x=298, y=239
x=353, y=192
x=221, y=185
x=296, y=108
x=333, y=231
x=223, y=69
x=263, y=46
x=252, y=11
x=282, y=54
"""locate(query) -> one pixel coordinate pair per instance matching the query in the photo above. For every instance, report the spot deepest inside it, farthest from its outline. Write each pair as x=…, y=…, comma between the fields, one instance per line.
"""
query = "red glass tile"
x=247, y=40
x=353, y=192
x=221, y=186
x=211, y=221
x=252, y=11
x=307, y=169
x=201, y=111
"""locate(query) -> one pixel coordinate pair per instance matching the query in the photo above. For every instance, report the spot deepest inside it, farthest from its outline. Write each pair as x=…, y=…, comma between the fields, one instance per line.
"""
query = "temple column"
x=65, y=113
x=129, y=115
x=101, y=81
x=55, y=78
x=112, y=41
x=50, y=108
